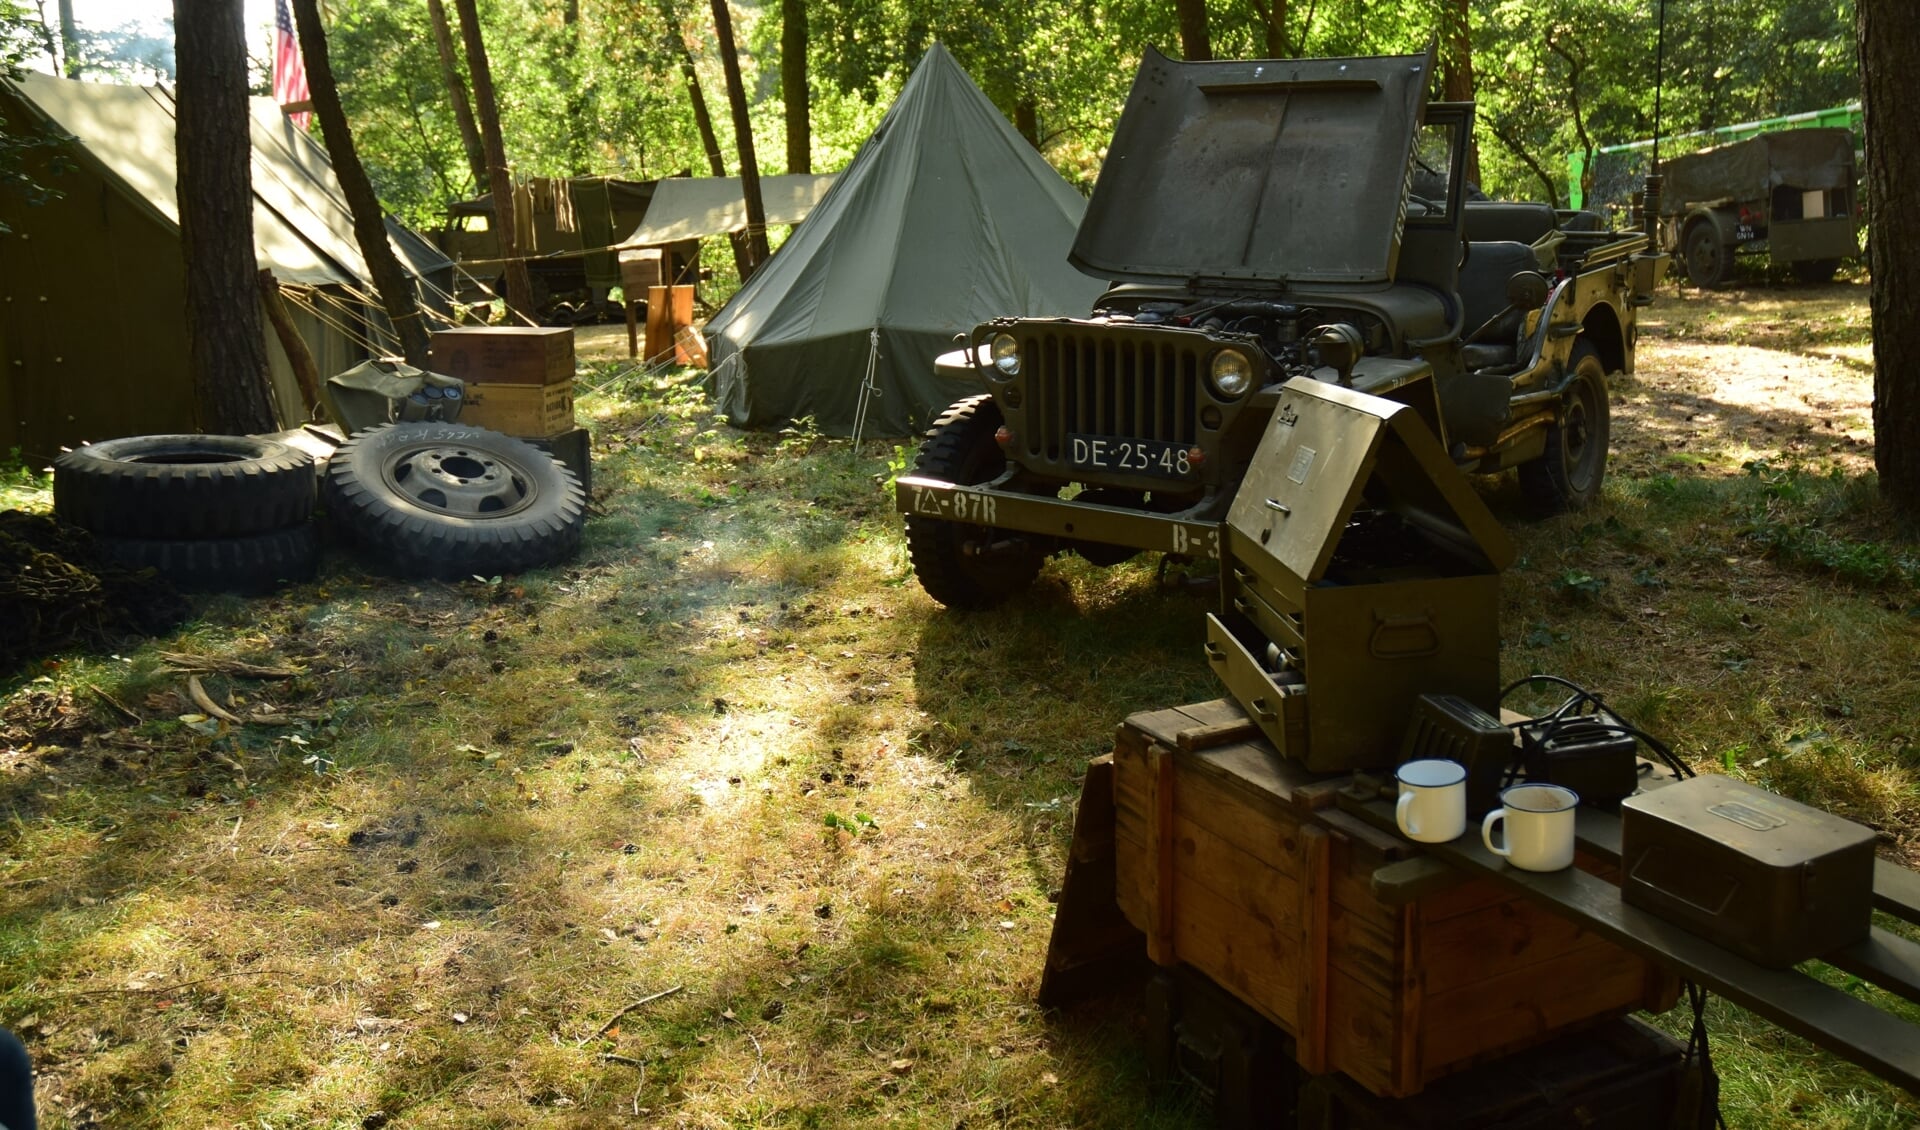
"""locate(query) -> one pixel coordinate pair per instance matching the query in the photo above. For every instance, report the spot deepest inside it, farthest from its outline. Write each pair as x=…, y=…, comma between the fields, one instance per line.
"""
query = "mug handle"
x=1400, y=810
x=1497, y=816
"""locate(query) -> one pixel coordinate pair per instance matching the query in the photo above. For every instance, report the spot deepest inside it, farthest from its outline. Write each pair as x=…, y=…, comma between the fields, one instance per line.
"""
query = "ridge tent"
x=945, y=218
x=93, y=286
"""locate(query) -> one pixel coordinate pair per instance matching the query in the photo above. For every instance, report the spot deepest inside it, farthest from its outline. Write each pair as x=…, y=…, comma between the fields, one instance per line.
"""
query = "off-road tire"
x=183, y=487
x=1815, y=271
x=960, y=448
x=1709, y=262
x=252, y=564
x=1569, y=475
x=444, y=500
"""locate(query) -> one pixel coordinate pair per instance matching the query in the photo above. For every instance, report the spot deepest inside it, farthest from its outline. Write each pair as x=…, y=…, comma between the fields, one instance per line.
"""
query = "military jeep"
x=1260, y=222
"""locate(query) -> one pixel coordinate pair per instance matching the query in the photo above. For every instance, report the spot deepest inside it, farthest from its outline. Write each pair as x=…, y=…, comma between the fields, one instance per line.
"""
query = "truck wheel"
x=1568, y=476
x=255, y=563
x=450, y=501
x=1815, y=271
x=951, y=558
x=183, y=486
x=1709, y=262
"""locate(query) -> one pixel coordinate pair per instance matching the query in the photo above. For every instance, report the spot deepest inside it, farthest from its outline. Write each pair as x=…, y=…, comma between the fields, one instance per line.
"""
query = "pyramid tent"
x=945, y=218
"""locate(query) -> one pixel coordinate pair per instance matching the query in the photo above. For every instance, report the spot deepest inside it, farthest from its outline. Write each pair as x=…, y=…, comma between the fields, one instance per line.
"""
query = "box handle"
x=1279, y=507
x=1404, y=637
x=1215, y=653
x=1261, y=710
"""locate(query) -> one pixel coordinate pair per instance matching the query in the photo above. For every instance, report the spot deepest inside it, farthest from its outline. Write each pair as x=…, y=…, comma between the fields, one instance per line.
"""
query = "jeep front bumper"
x=1056, y=518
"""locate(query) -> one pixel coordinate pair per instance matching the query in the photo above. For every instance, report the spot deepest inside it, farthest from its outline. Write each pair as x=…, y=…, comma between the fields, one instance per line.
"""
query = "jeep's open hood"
x=1269, y=170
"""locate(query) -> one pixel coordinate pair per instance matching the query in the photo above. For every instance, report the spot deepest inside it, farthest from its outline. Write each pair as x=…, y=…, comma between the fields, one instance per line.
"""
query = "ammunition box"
x=1768, y=878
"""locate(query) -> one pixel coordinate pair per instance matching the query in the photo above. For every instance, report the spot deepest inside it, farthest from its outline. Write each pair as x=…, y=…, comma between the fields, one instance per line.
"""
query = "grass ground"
x=732, y=763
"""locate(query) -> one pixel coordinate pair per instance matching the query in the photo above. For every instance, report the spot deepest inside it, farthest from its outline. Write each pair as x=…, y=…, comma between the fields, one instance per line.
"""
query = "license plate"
x=1135, y=456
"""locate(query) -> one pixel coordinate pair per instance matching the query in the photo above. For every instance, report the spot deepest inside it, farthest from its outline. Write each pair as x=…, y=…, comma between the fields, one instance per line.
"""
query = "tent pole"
x=868, y=389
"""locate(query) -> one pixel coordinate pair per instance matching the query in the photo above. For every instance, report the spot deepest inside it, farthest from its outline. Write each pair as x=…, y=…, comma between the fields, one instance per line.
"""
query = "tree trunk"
x=703, y=120
x=579, y=155
x=793, y=85
x=1456, y=68
x=743, y=139
x=397, y=295
x=69, y=41
x=1273, y=18
x=499, y=178
x=457, y=94
x=1889, y=36
x=1195, y=46
x=213, y=146
x=1026, y=119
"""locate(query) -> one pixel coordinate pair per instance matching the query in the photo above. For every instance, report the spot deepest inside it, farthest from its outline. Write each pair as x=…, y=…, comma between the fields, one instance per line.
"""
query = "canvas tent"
x=92, y=284
x=694, y=207
x=945, y=218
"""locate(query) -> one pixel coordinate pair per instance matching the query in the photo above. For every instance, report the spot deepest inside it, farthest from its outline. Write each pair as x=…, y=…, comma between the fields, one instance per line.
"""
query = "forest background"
x=596, y=86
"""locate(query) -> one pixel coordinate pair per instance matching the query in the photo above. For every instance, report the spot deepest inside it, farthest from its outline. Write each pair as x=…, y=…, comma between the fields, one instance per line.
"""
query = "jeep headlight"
x=1006, y=354
x=1232, y=373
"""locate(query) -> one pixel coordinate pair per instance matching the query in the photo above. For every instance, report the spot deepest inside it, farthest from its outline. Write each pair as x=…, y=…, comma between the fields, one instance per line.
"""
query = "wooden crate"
x=509, y=355
x=1233, y=860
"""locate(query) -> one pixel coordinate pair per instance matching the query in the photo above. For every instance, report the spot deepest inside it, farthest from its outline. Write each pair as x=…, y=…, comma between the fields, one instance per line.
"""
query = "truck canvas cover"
x=1751, y=169
x=1257, y=171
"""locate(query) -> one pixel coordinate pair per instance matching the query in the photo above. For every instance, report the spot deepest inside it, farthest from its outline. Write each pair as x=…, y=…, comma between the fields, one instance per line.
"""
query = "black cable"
x=1560, y=717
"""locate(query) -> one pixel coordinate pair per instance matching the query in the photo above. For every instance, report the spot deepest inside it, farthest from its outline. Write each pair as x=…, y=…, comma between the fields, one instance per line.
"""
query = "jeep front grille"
x=1109, y=384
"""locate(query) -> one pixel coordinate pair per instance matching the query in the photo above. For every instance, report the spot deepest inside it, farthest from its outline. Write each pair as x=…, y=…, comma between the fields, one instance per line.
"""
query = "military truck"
x=1789, y=195
x=1260, y=222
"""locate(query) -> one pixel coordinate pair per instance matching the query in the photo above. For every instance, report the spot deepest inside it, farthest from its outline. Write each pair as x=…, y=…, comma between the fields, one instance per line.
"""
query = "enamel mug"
x=1433, y=801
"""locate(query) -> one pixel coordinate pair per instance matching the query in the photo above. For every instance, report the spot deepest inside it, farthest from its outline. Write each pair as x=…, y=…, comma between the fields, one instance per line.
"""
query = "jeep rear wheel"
x=1568, y=475
x=959, y=564
x=1709, y=262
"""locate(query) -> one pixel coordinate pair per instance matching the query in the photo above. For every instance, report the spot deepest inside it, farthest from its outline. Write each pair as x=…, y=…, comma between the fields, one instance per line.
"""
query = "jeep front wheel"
x=1568, y=475
x=959, y=564
x=1709, y=262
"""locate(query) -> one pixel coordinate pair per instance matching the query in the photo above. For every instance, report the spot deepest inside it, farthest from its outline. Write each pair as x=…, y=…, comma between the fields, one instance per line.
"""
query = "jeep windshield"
x=1263, y=171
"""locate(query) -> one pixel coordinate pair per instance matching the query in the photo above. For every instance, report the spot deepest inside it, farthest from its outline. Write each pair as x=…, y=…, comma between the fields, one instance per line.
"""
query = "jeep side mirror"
x=1527, y=290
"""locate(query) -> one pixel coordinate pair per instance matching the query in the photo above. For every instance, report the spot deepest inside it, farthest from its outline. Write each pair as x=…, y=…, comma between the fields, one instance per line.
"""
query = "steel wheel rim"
x=460, y=481
x=1577, y=445
x=1703, y=255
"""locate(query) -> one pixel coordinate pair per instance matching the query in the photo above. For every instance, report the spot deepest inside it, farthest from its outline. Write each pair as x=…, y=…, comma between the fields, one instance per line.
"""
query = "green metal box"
x=1359, y=572
x=1766, y=877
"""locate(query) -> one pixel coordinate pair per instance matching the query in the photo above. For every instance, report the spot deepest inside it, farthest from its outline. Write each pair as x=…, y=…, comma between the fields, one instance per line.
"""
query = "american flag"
x=289, y=70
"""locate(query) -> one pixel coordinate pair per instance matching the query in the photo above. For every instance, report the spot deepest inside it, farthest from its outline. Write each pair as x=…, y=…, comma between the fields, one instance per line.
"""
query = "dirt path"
x=1783, y=373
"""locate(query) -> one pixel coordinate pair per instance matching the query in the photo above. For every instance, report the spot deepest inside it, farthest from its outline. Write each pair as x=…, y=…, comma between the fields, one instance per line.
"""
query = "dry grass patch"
x=734, y=751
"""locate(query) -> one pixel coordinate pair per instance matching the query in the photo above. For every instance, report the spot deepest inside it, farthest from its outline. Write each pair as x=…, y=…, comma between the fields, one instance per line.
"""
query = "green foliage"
x=1792, y=513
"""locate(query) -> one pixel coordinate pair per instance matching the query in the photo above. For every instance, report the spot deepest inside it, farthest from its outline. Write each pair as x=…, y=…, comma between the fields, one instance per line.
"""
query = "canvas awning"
x=693, y=207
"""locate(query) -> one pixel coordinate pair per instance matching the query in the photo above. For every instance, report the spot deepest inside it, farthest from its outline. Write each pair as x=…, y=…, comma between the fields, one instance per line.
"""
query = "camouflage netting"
x=54, y=594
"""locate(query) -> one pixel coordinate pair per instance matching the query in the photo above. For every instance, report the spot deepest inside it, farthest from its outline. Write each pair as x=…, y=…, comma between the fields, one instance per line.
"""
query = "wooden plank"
x=1256, y=821
x=1406, y=880
x=1215, y=723
x=1360, y=1020
x=1268, y=894
x=1161, y=726
x=1411, y=993
x=1092, y=949
x=1260, y=967
x=1159, y=871
x=1369, y=844
x=1509, y=1010
x=1896, y=890
x=1310, y=1038
x=1469, y=949
x=1886, y=959
x=1850, y=1028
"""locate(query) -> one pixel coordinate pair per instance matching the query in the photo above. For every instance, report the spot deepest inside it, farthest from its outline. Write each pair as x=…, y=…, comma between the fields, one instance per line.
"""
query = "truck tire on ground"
x=183, y=486
x=441, y=500
x=252, y=564
x=1815, y=270
x=1709, y=262
x=1568, y=476
x=960, y=448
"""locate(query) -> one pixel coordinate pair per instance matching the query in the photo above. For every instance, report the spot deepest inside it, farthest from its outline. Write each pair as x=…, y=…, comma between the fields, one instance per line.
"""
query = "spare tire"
x=179, y=486
x=256, y=563
x=443, y=500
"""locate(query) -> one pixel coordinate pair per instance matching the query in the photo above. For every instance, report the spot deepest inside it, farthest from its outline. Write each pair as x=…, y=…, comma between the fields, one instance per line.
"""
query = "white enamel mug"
x=1539, y=825
x=1433, y=800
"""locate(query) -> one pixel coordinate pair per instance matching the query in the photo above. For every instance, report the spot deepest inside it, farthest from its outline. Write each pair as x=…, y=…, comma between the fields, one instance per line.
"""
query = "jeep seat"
x=1503, y=221
x=1483, y=293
